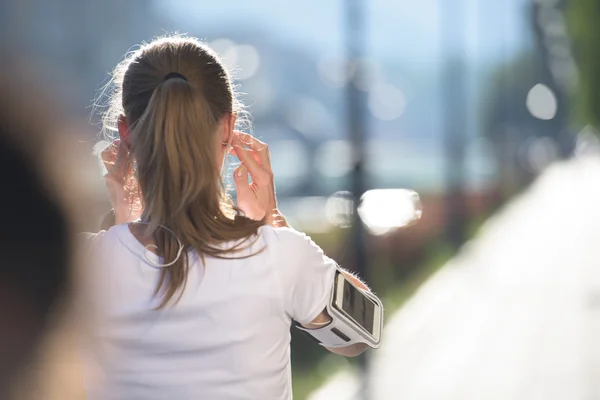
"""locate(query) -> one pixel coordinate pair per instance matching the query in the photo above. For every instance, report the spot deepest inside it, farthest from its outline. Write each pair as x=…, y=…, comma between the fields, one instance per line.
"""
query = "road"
x=515, y=315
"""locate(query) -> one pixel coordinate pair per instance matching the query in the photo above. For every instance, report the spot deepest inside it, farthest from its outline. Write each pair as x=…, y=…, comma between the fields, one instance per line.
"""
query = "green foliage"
x=506, y=93
x=505, y=119
x=584, y=29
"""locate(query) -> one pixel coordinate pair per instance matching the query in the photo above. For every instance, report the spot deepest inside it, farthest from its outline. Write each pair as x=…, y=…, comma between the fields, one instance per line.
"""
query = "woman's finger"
x=109, y=154
x=250, y=141
x=240, y=178
x=122, y=161
x=247, y=160
x=259, y=148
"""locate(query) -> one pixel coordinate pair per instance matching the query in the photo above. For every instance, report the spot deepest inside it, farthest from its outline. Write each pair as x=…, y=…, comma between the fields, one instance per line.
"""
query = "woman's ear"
x=229, y=126
x=123, y=131
x=232, y=119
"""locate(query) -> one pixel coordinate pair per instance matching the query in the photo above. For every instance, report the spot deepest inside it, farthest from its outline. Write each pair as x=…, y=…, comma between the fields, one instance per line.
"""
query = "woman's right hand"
x=116, y=160
x=257, y=199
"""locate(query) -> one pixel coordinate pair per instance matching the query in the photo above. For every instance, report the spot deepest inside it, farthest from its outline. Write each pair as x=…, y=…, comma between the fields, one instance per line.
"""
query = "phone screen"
x=357, y=306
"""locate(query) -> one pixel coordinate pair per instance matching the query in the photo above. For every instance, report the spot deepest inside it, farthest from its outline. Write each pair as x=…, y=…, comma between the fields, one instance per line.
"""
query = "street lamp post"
x=357, y=131
x=454, y=118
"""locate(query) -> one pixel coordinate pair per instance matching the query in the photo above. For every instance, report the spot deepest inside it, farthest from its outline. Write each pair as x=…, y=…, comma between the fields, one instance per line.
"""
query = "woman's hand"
x=123, y=200
x=257, y=199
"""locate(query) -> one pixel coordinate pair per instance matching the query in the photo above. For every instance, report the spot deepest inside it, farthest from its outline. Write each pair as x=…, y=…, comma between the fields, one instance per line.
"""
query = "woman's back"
x=210, y=317
x=228, y=335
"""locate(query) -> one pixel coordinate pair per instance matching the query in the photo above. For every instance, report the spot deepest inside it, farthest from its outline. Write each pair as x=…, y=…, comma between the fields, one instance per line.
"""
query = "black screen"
x=358, y=307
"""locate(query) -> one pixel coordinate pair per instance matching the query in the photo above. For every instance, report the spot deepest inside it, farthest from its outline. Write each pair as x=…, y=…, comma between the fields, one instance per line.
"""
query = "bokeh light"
x=383, y=210
x=248, y=61
x=539, y=153
x=587, y=143
x=290, y=159
x=339, y=209
x=242, y=59
x=541, y=102
x=386, y=102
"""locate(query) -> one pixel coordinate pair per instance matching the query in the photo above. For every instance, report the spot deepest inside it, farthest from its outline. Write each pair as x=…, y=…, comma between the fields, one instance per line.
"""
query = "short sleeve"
x=91, y=259
x=305, y=272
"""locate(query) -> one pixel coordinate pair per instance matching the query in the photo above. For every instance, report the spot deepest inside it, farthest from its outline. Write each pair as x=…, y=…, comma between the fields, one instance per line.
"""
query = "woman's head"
x=175, y=107
x=178, y=88
x=189, y=77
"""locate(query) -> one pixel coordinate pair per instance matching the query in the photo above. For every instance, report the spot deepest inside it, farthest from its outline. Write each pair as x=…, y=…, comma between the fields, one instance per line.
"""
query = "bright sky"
x=397, y=29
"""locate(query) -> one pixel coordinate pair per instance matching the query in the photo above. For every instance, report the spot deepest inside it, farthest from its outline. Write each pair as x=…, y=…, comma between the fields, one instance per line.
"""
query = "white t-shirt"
x=228, y=337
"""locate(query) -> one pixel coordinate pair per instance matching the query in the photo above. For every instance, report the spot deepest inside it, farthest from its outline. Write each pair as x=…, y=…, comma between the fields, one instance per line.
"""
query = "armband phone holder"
x=356, y=317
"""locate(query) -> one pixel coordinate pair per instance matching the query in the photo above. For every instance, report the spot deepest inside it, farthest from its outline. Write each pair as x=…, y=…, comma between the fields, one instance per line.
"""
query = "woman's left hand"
x=257, y=199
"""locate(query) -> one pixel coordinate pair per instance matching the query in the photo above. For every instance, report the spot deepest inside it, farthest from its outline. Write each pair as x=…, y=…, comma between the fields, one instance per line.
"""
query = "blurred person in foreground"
x=191, y=296
x=37, y=340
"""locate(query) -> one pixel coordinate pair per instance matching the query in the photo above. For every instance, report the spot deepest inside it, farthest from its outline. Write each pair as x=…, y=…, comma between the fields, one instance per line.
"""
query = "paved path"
x=515, y=316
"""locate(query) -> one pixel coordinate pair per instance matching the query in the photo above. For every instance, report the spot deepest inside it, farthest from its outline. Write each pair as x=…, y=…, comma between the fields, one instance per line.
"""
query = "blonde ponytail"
x=173, y=127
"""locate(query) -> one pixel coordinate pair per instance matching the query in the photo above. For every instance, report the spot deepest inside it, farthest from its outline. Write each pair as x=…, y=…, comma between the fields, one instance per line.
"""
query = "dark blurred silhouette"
x=34, y=241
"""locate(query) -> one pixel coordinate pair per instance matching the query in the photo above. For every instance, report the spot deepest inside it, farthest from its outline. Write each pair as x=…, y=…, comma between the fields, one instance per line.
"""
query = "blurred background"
x=468, y=125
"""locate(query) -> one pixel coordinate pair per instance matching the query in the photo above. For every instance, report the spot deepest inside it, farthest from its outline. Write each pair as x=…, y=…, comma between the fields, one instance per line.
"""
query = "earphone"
x=153, y=246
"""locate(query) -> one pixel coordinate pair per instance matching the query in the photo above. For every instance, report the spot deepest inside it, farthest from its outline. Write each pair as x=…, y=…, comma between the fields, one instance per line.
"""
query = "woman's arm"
x=108, y=221
x=323, y=318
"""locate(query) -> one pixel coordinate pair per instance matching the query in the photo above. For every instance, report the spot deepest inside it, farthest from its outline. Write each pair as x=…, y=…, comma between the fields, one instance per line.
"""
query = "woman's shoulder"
x=94, y=239
x=281, y=234
x=287, y=241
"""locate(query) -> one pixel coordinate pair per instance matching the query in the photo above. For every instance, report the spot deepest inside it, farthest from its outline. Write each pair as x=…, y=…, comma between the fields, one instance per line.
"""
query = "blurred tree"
x=507, y=122
x=584, y=29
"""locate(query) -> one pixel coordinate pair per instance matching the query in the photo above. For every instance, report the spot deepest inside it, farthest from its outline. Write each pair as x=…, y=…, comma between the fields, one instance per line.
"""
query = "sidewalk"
x=516, y=315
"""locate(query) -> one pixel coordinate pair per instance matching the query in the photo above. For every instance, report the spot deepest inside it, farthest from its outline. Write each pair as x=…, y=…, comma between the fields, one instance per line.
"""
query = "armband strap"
x=329, y=336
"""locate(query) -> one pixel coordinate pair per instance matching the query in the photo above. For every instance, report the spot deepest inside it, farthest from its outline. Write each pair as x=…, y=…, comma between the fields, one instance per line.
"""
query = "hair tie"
x=172, y=75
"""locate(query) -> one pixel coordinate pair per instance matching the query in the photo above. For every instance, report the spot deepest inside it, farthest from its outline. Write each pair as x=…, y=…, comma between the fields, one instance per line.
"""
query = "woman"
x=194, y=299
